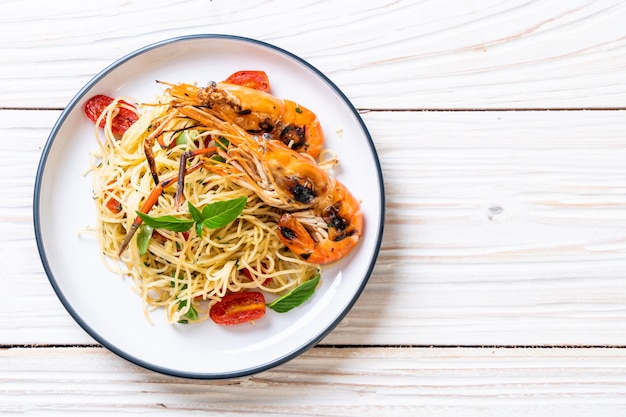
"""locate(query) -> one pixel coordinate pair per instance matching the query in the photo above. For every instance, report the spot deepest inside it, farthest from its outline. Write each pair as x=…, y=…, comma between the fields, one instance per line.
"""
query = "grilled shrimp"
x=327, y=241
x=280, y=176
x=322, y=220
x=257, y=112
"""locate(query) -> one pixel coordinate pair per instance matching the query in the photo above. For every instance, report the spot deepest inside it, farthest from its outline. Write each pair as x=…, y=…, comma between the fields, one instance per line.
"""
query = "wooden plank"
x=502, y=228
x=29, y=305
x=328, y=382
x=513, y=223
x=451, y=54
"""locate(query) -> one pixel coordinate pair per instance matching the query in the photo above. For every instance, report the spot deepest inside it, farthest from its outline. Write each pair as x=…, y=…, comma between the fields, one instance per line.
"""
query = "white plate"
x=103, y=303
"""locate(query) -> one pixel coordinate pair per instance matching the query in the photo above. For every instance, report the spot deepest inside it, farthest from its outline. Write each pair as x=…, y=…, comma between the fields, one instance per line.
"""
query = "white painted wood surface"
x=505, y=225
x=383, y=54
x=328, y=382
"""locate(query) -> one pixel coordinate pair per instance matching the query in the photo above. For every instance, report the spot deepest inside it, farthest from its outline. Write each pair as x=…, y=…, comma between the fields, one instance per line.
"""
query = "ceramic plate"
x=104, y=304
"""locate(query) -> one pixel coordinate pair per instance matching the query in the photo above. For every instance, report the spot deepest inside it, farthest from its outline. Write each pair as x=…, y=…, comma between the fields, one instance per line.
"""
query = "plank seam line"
x=353, y=346
x=486, y=110
x=419, y=346
x=406, y=110
x=32, y=108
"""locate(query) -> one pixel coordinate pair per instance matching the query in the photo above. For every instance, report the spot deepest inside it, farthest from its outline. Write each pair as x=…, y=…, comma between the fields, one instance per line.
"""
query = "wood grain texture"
x=514, y=221
x=383, y=54
x=502, y=228
x=327, y=382
x=505, y=227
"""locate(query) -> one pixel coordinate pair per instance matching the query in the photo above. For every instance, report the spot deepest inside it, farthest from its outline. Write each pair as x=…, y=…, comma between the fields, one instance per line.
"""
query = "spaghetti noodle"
x=182, y=272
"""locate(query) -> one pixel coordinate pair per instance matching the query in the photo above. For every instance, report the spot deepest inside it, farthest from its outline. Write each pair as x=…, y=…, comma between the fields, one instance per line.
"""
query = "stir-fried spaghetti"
x=182, y=272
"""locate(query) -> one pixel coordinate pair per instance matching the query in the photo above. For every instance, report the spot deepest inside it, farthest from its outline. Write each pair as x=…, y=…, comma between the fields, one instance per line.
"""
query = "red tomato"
x=251, y=79
x=114, y=205
x=238, y=307
x=124, y=119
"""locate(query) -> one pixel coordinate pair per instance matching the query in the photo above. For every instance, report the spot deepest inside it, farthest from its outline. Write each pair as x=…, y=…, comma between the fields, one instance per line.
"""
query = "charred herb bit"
x=287, y=232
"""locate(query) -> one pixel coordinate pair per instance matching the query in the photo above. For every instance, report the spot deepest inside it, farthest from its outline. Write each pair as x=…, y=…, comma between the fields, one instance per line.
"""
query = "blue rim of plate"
x=92, y=332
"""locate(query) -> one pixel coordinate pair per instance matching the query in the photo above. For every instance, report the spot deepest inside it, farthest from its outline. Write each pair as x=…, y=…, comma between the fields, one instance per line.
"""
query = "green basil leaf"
x=295, y=297
x=222, y=143
x=143, y=238
x=196, y=214
x=182, y=138
x=186, y=136
x=192, y=313
x=172, y=223
x=220, y=213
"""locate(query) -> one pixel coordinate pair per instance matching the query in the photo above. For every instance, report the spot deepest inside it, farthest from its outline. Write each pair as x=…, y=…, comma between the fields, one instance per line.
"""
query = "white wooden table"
x=500, y=289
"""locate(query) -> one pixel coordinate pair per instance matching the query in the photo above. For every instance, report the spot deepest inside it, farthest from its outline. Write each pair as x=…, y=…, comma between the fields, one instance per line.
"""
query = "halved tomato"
x=124, y=119
x=113, y=205
x=237, y=308
x=251, y=79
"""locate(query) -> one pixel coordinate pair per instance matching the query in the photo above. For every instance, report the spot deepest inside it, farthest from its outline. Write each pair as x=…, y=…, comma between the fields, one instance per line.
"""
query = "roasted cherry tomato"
x=114, y=205
x=124, y=119
x=251, y=79
x=237, y=308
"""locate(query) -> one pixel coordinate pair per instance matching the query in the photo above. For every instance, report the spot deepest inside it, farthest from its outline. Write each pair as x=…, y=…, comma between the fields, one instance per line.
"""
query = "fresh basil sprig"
x=213, y=216
x=295, y=297
x=218, y=214
x=175, y=224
